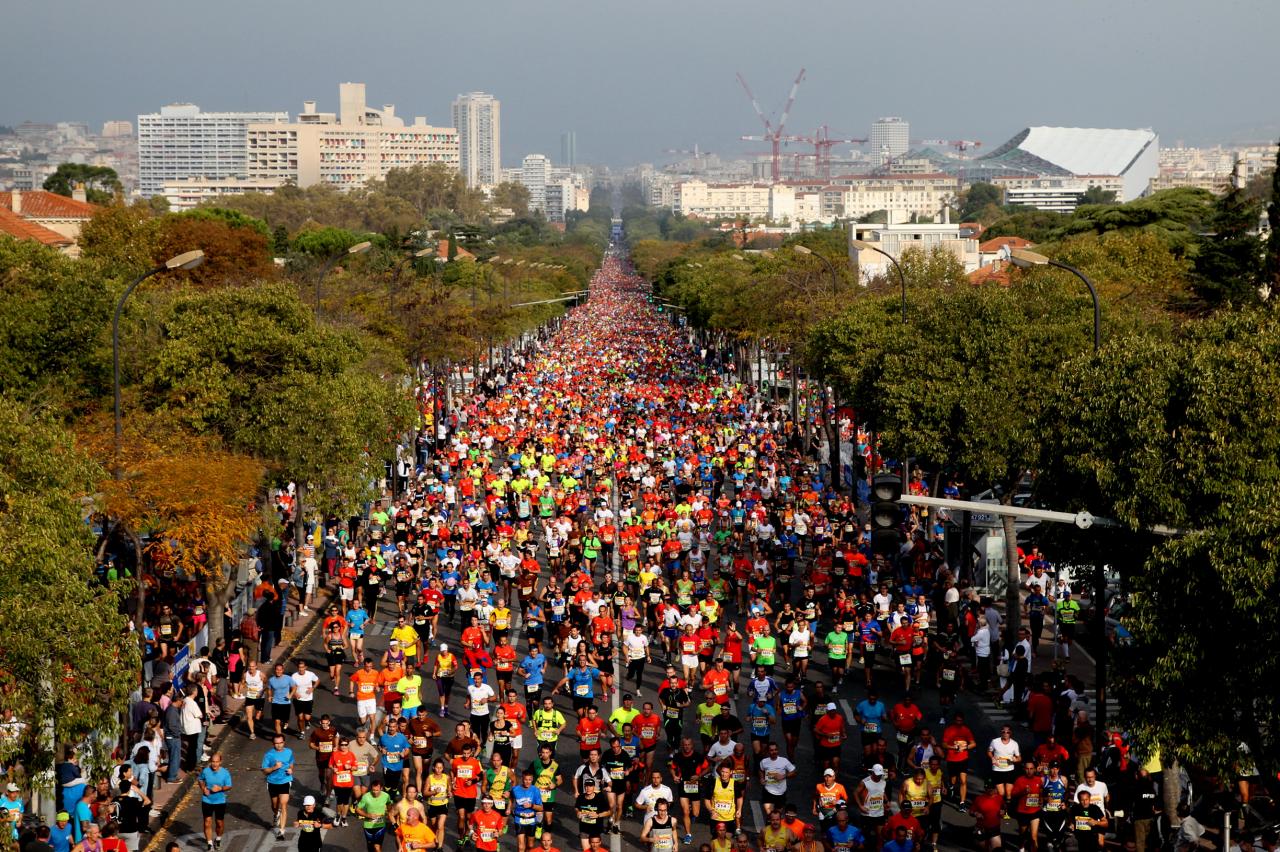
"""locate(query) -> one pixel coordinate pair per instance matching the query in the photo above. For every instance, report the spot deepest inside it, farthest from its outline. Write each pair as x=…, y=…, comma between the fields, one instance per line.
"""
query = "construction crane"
x=822, y=144
x=772, y=135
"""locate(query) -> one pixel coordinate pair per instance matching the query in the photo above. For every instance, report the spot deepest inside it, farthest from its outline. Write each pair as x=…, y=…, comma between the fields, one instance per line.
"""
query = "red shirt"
x=951, y=736
x=986, y=810
x=1027, y=794
x=590, y=733
x=718, y=683
x=829, y=729
x=647, y=728
x=915, y=830
x=486, y=828
x=905, y=717
x=504, y=658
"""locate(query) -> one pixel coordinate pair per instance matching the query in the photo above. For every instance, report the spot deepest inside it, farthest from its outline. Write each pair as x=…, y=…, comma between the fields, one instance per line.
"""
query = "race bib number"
x=1031, y=801
x=343, y=777
x=691, y=787
x=904, y=659
x=902, y=738
x=871, y=727
x=949, y=674
x=419, y=742
x=583, y=690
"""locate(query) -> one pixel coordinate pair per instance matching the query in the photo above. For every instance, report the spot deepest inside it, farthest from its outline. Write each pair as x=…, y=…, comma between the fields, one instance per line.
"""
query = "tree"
x=327, y=241
x=1176, y=215
x=195, y=500
x=234, y=254
x=123, y=240
x=1034, y=225
x=979, y=200
x=511, y=195
x=1271, y=266
x=1185, y=432
x=1228, y=267
x=101, y=183
x=67, y=659
x=1098, y=195
x=1131, y=267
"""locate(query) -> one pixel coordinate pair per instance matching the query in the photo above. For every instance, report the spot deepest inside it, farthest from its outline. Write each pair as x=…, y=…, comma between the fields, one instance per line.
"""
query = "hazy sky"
x=633, y=77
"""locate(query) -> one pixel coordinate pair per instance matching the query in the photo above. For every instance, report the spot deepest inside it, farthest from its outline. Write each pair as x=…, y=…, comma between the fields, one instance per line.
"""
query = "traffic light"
x=886, y=514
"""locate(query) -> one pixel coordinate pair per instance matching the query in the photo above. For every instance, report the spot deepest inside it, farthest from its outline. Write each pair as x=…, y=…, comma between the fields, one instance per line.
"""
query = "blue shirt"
x=525, y=799
x=759, y=718
x=215, y=778
x=907, y=845
x=83, y=814
x=8, y=804
x=280, y=775
x=792, y=697
x=280, y=687
x=872, y=714
x=581, y=681
x=61, y=839
x=843, y=840
x=356, y=619
x=394, y=744
x=534, y=665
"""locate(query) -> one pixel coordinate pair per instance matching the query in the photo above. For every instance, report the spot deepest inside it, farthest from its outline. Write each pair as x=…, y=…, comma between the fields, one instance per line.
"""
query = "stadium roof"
x=1075, y=150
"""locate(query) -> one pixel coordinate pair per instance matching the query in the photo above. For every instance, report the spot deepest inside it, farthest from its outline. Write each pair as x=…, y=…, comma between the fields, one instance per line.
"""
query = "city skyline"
x=634, y=81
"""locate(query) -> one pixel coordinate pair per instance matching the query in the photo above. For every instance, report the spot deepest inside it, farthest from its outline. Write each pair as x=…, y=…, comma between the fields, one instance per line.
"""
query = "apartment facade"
x=535, y=174
x=180, y=141
x=896, y=239
x=348, y=149
x=478, y=119
x=721, y=201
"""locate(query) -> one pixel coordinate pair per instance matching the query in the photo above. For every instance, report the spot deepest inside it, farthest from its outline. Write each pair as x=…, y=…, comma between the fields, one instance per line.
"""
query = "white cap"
x=309, y=800
x=832, y=706
x=444, y=649
x=828, y=771
x=877, y=769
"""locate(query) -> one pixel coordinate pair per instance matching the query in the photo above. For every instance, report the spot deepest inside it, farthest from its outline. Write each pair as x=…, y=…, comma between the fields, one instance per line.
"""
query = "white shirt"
x=1097, y=791
x=882, y=602
x=254, y=683
x=981, y=643
x=637, y=646
x=305, y=685
x=1005, y=755
x=800, y=641
x=651, y=794
x=719, y=751
x=775, y=771
x=480, y=697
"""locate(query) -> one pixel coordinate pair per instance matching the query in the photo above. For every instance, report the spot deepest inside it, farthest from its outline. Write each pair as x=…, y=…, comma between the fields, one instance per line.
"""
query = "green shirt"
x=837, y=642
x=622, y=716
x=766, y=647
x=377, y=805
x=1067, y=611
x=707, y=714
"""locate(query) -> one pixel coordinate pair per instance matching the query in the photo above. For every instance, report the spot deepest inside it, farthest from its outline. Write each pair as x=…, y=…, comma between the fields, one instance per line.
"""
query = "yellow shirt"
x=408, y=639
x=417, y=836
x=410, y=689
x=437, y=791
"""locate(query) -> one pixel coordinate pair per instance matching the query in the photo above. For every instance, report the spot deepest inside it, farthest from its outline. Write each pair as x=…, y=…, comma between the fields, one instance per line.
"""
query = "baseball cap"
x=878, y=769
x=828, y=772
x=832, y=706
x=12, y=788
x=444, y=649
x=309, y=800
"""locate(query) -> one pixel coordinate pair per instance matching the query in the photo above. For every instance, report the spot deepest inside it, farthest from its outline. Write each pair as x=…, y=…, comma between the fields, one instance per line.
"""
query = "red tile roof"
x=39, y=204
x=992, y=273
x=16, y=226
x=994, y=245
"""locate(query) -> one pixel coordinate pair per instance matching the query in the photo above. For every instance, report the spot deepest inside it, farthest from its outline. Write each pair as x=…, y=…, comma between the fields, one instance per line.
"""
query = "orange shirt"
x=828, y=797
x=365, y=683
x=829, y=729
x=718, y=683
x=647, y=728
x=504, y=658
x=516, y=714
x=466, y=777
x=390, y=676
x=472, y=637
x=486, y=828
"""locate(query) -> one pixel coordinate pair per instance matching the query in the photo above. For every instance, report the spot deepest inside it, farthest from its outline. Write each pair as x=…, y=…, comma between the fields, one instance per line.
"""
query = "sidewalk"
x=297, y=630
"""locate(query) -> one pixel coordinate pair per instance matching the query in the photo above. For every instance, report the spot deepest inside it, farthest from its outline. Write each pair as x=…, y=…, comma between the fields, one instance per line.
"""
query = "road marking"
x=757, y=814
x=848, y=711
x=615, y=840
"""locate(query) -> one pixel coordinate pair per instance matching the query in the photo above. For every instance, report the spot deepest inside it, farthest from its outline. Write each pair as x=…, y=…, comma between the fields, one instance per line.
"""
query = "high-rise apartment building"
x=182, y=142
x=890, y=137
x=478, y=119
x=347, y=149
x=535, y=174
x=568, y=149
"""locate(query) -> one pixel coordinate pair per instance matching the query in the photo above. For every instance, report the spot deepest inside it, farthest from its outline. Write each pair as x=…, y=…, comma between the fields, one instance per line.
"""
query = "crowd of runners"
x=660, y=607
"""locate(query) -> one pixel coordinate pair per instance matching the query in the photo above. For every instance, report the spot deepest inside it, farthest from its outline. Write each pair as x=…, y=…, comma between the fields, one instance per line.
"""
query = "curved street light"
x=1024, y=259
x=863, y=245
x=186, y=260
x=358, y=248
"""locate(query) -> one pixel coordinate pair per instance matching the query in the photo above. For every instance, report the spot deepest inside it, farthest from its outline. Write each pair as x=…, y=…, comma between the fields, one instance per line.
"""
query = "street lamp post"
x=358, y=248
x=1023, y=259
x=186, y=260
x=833, y=450
x=863, y=245
x=400, y=268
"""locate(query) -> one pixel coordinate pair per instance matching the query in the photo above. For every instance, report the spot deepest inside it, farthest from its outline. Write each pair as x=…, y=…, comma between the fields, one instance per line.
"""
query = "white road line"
x=757, y=814
x=848, y=711
x=615, y=840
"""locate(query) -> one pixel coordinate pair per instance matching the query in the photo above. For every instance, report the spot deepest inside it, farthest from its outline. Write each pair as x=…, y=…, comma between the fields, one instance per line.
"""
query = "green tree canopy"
x=1229, y=264
x=101, y=183
x=514, y=196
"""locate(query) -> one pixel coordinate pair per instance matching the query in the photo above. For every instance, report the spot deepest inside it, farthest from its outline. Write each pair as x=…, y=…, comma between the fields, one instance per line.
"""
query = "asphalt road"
x=249, y=814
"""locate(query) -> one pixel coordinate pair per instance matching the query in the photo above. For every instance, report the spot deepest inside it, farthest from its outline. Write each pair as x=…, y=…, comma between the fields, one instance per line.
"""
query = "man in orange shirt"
x=342, y=777
x=716, y=681
x=504, y=663
x=517, y=715
x=828, y=797
x=363, y=684
x=648, y=726
x=829, y=735
x=486, y=827
x=957, y=740
x=590, y=730
x=467, y=773
x=387, y=679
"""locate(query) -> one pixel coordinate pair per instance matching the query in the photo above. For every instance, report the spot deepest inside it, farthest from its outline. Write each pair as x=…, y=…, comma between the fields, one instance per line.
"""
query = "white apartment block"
x=889, y=137
x=721, y=201
x=566, y=192
x=191, y=192
x=477, y=116
x=1056, y=194
x=902, y=196
x=180, y=142
x=896, y=239
x=347, y=149
x=535, y=174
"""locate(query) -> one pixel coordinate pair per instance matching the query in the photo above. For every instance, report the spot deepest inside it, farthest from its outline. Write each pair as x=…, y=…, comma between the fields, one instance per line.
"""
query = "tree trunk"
x=299, y=526
x=216, y=595
x=1012, y=599
x=1171, y=788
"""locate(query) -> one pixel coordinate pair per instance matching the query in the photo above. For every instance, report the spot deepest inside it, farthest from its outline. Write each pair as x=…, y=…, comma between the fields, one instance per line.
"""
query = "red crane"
x=774, y=136
x=822, y=144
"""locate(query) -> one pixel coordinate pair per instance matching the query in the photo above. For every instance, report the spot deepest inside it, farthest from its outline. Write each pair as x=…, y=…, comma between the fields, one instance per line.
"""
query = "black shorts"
x=256, y=703
x=934, y=823
x=274, y=790
x=303, y=708
x=871, y=825
x=825, y=753
x=732, y=667
x=792, y=726
x=693, y=797
x=434, y=811
x=335, y=657
x=528, y=830
x=215, y=811
x=1007, y=776
x=776, y=799
x=465, y=803
x=1024, y=820
x=763, y=741
x=582, y=702
x=617, y=785
x=342, y=795
x=281, y=712
x=1067, y=631
x=605, y=665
